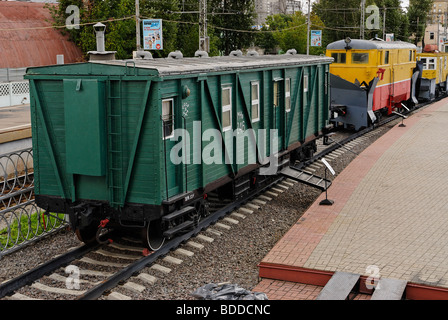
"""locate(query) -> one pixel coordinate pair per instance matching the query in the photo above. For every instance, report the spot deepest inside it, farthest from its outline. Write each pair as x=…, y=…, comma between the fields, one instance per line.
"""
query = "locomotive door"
x=392, y=81
x=277, y=115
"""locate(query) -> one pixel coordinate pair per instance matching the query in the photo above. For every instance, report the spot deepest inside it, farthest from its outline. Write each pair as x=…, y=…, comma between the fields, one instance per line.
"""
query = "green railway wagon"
x=141, y=143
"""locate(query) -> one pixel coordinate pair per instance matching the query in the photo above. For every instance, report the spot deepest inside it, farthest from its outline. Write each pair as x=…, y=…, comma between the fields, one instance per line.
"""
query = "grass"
x=30, y=226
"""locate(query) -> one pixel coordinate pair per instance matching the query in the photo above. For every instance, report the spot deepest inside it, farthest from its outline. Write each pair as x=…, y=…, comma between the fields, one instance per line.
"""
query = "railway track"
x=112, y=265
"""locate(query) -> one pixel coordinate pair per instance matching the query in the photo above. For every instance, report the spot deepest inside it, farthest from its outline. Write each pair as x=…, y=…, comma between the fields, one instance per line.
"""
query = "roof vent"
x=236, y=53
x=145, y=55
x=201, y=54
x=252, y=53
x=176, y=55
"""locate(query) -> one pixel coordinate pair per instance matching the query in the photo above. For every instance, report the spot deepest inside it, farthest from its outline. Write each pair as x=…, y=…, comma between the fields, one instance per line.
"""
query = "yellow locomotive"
x=369, y=77
x=434, y=77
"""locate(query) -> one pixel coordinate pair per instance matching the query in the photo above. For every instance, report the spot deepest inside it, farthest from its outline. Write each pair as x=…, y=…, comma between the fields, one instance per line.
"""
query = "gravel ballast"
x=232, y=257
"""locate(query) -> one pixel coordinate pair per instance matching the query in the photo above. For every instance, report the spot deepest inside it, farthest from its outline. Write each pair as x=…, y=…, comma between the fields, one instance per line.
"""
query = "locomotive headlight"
x=347, y=43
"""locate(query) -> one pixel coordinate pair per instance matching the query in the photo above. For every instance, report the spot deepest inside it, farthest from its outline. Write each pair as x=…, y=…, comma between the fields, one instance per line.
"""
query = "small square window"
x=255, y=94
x=168, y=118
x=288, y=95
x=226, y=101
x=305, y=83
x=276, y=98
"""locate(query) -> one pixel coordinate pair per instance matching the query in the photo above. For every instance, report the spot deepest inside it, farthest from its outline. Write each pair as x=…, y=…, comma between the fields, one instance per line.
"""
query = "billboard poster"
x=389, y=37
x=152, y=34
x=316, y=38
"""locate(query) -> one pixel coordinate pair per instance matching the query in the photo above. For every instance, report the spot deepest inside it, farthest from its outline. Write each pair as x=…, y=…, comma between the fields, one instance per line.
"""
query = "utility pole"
x=444, y=32
x=308, y=29
x=384, y=23
x=137, y=24
x=203, y=38
x=361, y=23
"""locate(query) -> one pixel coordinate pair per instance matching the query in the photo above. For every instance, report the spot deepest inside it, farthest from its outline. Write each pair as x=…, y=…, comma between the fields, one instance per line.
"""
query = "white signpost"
x=326, y=201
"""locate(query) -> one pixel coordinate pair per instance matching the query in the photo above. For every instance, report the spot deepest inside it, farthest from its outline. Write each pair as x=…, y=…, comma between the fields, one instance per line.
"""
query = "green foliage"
x=396, y=19
x=417, y=16
x=289, y=32
x=342, y=18
x=231, y=18
x=180, y=30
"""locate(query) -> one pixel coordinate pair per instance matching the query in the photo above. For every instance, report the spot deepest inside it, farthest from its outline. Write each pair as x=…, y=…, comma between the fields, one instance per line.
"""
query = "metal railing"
x=21, y=220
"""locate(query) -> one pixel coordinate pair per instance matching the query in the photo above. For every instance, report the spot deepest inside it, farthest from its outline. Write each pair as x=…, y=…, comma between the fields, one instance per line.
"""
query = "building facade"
x=265, y=8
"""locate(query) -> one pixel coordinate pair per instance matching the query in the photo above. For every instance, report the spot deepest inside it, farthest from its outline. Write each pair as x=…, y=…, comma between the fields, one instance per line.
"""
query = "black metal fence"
x=21, y=220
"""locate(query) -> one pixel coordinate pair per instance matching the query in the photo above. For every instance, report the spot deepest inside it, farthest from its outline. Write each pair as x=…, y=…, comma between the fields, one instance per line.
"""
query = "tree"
x=188, y=30
x=396, y=19
x=417, y=16
x=232, y=21
x=289, y=32
x=118, y=16
x=341, y=18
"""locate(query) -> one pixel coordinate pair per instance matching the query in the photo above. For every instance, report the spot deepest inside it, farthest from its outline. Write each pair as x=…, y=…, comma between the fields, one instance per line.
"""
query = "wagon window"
x=429, y=63
x=276, y=94
x=226, y=108
x=410, y=55
x=361, y=58
x=255, y=101
x=338, y=57
x=305, y=83
x=168, y=118
x=288, y=95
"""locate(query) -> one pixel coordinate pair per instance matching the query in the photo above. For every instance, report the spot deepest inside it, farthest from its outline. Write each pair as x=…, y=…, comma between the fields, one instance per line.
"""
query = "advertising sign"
x=152, y=34
x=316, y=38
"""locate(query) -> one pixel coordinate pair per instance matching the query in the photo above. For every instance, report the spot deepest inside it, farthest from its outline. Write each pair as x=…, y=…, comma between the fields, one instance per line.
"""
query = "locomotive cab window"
x=168, y=118
x=226, y=108
x=360, y=57
x=339, y=57
x=255, y=92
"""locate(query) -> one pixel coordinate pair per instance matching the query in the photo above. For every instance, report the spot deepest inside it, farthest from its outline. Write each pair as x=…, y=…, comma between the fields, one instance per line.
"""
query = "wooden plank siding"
x=145, y=155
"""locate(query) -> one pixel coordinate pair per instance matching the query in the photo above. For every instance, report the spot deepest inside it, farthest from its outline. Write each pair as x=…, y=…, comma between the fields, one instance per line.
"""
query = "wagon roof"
x=170, y=66
x=370, y=44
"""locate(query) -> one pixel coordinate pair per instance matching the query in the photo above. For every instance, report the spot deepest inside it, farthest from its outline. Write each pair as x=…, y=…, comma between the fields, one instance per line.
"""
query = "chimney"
x=100, y=53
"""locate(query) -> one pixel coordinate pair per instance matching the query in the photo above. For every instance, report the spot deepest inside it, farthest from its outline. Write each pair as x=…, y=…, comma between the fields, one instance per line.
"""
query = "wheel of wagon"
x=87, y=234
x=152, y=235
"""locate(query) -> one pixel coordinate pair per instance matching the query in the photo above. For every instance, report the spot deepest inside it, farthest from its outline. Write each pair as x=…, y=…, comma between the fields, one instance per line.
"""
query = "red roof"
x=22, y=44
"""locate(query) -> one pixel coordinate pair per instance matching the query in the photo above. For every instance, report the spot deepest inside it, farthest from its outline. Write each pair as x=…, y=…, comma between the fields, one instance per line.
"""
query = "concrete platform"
x=389, y=218
x=15, y=128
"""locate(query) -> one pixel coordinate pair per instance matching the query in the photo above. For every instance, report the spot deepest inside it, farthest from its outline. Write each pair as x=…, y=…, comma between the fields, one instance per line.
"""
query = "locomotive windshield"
x=338, y=57
x=360, y=57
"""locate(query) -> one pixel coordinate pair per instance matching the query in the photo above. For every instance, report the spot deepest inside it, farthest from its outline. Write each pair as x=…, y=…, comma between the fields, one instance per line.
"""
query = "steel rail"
x=32, y=275
x=125, y=273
